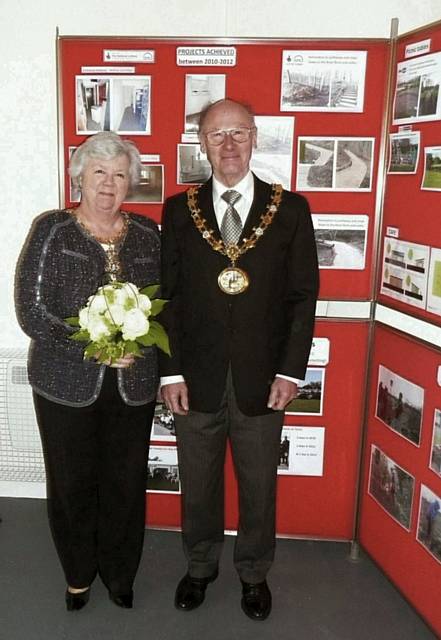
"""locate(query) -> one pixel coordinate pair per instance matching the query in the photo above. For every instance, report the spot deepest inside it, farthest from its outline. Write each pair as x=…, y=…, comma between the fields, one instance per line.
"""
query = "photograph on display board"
x=193, y=165
x=435, y=452
x=108, y=103
x=429, y=522
x=322, y=80
x=310, y=392
x=434, y=285
x=272, y=158
x=400, y=404
x=74, y=192
x=319, y=354
x=130, y=105
x=404, y=152
x=341, y=240
x=334, y=164
x=163, y=470
x=163, y=426
x=391, y=486
x=201, y=90
x=432, y=169
x=150, y=188
x=417, y=90
x=301, y=451
x=92, y=104
x=405, y=271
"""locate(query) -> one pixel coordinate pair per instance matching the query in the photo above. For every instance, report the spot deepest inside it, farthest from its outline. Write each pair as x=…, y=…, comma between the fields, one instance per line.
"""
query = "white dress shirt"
x=246, y=189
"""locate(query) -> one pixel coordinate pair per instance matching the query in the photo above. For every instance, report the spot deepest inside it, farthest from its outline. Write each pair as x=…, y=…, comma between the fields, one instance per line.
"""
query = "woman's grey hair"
x=105, y=145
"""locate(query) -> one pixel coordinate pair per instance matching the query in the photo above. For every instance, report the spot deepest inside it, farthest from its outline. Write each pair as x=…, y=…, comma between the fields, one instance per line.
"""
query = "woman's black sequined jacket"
x=60, y=266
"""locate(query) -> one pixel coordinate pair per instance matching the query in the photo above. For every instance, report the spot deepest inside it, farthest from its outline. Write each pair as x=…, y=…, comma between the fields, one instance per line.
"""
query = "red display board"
x=399, y=525
x=316, y=506
x=413, y=213
x=260, y=64
x=325, y=506
x=390, y=520
x=256, y=80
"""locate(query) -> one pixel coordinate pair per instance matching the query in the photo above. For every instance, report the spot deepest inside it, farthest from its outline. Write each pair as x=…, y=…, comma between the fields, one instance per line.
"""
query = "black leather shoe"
x=76, y=601
x=191, y=591
x=256, y=600
x=124, y=600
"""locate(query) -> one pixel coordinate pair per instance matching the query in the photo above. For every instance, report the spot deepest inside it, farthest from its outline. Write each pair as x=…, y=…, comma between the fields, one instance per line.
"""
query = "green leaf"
x=160, y=337
x=91, y=350
x=150, y=290
x=157, y=306
x=131, y=346
x=82, y=335
x=73, y=321
x=147, y=340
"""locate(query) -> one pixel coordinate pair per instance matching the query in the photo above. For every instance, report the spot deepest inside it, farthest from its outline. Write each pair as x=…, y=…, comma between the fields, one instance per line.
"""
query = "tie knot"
x=231, y=196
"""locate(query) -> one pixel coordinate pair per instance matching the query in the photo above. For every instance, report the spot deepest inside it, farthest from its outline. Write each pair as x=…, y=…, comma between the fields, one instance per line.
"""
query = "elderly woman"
x=94, y=419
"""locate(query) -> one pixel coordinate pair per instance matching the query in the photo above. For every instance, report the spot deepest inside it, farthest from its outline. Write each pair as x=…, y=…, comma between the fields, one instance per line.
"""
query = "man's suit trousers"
x=255, y=443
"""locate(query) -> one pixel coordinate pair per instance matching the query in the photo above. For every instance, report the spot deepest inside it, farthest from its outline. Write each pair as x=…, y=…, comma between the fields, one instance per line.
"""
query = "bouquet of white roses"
x=117, y=320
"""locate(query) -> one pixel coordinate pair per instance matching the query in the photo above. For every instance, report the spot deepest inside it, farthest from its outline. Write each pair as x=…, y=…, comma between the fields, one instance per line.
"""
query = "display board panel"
x=402, y=468
x=150, y=90
x=410, y=265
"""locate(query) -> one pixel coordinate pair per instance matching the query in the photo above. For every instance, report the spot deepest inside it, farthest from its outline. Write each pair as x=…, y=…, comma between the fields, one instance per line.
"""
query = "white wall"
x=28, y=143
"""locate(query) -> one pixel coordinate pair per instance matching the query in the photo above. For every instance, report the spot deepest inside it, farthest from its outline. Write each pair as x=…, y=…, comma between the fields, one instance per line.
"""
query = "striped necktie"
x=231, y=226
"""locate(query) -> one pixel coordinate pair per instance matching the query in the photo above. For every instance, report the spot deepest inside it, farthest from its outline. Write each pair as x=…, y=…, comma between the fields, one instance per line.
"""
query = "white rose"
x=115, y=314
x=135, y=324
x=83, y=317
x=144, y=302
x=98, y=328
x=128, y=296
x=109, y=292
x=131, y=289
x=97, y=303
x=121, y=296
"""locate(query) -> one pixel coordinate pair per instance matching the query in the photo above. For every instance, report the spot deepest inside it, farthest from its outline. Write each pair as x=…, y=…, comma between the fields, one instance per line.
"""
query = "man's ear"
x=202, y=143
x=255, y=139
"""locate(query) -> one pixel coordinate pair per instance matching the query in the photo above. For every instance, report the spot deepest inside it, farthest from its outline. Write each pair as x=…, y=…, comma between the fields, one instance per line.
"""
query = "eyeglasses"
x=238, y=134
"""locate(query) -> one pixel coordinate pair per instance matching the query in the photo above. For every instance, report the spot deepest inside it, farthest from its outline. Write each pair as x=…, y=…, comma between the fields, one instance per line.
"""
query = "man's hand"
x=281, y=393
x=175, y=396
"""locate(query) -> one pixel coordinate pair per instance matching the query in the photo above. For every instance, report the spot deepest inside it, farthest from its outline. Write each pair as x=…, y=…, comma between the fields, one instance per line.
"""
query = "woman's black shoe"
x=76, y=601
x=124, y=600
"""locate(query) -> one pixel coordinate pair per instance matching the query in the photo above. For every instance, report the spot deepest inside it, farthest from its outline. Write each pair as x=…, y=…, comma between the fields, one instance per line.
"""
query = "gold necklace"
x=113, y=267
x=233, y=280
x=113, y=239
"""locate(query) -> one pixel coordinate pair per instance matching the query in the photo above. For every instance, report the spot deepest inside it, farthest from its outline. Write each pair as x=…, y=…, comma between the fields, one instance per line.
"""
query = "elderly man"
x=240, y=270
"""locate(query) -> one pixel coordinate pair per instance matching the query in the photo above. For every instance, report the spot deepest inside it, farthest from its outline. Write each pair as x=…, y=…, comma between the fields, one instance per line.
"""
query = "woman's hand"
x=124, y=362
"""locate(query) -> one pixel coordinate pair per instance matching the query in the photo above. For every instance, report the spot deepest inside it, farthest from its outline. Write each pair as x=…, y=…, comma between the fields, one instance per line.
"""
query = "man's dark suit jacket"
x=265, y=330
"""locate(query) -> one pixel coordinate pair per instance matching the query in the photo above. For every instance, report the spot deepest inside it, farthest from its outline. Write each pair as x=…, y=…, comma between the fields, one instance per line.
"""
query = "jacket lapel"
x=205, y=202
x=206, y=206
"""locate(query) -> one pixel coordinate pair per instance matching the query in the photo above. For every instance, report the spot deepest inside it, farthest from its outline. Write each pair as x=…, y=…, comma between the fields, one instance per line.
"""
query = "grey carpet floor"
x=318, y=594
